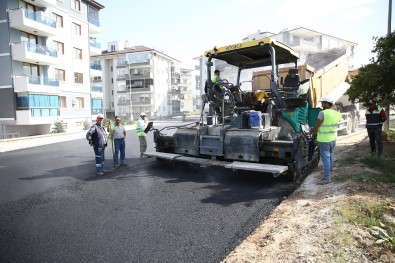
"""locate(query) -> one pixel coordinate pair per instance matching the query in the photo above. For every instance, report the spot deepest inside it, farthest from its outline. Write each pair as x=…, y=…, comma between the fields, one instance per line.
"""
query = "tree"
x=58, y=127
x=377, y=79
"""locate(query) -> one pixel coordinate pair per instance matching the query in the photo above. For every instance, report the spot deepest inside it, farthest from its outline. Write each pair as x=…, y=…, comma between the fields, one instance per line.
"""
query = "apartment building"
x=306, y=41
x=45, y=52
x=139, y=79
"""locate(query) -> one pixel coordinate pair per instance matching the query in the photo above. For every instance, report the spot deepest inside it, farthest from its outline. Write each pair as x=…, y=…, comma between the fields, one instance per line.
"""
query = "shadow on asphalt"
x=225, y=186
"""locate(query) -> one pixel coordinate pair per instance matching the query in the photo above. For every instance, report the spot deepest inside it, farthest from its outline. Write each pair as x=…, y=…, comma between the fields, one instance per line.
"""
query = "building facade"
x=139, y=79
x=45, y=54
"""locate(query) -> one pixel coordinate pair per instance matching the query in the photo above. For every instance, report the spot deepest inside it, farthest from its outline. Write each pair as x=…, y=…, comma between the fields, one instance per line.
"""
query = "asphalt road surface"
x=54, y=208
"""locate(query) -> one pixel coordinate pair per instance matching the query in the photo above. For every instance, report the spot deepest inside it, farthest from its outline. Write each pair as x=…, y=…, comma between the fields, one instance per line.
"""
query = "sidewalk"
x=33, y=141
x=7, y=145
x=38, y=140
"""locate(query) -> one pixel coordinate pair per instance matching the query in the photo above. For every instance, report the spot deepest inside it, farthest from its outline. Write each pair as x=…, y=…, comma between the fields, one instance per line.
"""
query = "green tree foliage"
x=377, y=79
x=58, y=127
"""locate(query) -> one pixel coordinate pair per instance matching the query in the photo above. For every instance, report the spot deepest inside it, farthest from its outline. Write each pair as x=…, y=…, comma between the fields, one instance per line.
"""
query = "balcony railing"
x=96, y=66
x=94, y=21
x=97, y=111
x=38, y=17
x=96, y=89
x=44, y=112
x=39, y=49
x=39, y=80
x=95, y=44
x=123, y=102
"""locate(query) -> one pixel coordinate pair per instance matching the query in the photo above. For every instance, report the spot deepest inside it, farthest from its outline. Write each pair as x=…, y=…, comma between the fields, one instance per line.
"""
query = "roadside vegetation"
x=370, y=184
x=59, y=127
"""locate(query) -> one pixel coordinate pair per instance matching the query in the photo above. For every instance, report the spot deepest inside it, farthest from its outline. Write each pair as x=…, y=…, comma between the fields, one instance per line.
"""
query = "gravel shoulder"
x=306, y=228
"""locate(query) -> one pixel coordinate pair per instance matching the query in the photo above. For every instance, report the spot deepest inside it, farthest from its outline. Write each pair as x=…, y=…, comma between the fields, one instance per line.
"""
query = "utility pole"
x=387, y=110
x=130, y=93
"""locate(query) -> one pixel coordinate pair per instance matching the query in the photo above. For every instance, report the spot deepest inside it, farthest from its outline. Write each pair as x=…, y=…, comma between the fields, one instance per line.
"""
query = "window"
x=30, y=7
x=76, y=29
x=77, y=53
x=78, y=78
x=59, y=19
x=39, y=105
x=62, y=102
x=31, y=69
x=76, y=5
x=79, y=103
x=59, y=46
x=112, y=48
x=29, y=38
x=60, y=74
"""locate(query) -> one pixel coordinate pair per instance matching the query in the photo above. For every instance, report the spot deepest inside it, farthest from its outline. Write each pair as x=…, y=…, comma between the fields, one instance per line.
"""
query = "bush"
x=58, y=127
x=87, y=125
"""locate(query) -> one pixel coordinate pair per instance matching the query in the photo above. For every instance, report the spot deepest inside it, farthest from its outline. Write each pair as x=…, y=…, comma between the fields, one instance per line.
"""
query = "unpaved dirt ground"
x=306, y=228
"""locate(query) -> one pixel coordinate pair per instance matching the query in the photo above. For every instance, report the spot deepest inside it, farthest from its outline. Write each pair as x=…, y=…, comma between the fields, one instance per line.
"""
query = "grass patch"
x=365, y=177
x=362, y=213
x=349, y=161
x=364, y=168
x=369, y=214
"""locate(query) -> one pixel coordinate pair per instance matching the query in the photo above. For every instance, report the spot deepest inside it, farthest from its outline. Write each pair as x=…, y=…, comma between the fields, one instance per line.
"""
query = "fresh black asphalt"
x=54, y=208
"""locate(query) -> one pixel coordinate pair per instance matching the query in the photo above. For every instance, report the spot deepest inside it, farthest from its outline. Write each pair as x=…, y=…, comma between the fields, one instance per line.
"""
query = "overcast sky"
x=184, y=29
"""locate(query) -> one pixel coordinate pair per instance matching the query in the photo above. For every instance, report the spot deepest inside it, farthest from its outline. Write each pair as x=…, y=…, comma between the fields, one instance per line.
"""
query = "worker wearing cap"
x=375, y=116
x=326, y=128
x=141, y=124
x=97, y=138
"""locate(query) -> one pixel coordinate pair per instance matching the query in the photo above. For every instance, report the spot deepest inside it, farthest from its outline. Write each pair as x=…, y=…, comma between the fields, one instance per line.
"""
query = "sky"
x=185, y=29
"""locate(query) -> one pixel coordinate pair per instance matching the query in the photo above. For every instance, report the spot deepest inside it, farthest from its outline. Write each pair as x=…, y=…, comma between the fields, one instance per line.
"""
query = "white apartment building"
x=45, y=52
x=139, y=79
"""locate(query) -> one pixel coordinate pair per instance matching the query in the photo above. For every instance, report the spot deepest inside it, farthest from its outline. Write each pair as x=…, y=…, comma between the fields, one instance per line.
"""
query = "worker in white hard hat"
x=326, y=128
x=141, y=125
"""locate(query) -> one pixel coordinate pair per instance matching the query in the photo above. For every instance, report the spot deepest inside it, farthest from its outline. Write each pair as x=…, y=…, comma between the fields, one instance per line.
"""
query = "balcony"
x=45, y=3
x=122, y=64
x=305, y=45
x=33, y=53
x=32, y=22
x=142, y=102
x=95, y=48
x=122, y=90
x=25, y=83
x=97, y=89
x=97, y=111
x=123, y=102
x=149, y=75
x=97, y=79
x=94, y=25
x=96, y=70
x=37, y=116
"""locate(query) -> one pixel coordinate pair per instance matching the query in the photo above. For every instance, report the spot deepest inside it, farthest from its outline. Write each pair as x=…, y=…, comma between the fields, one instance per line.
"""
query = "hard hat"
x=99, y=117
x=142, y=114
x=326, y=99
x=372, y=101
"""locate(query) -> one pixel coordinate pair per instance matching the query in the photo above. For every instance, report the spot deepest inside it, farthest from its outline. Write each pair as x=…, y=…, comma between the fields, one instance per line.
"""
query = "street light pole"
x=130, y=93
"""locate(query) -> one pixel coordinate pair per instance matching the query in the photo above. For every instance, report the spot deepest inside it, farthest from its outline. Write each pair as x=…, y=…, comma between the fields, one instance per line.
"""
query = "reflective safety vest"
x=374, y=119
x=327, y=132
x=140, y=128
x=214, y=80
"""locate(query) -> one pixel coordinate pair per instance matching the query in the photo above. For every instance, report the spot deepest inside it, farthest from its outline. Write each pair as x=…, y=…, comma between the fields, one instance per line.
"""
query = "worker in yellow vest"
x=141, y=125
x=326, y=128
